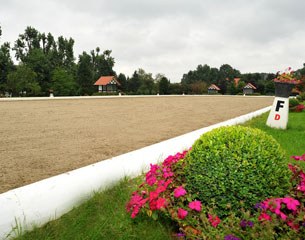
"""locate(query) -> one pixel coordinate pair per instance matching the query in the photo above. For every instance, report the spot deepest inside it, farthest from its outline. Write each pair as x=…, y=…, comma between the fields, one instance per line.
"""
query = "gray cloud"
x=171, y=36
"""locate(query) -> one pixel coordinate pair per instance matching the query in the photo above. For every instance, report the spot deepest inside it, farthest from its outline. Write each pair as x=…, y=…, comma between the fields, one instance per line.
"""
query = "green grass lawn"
x=104, y=216
x=292, y=140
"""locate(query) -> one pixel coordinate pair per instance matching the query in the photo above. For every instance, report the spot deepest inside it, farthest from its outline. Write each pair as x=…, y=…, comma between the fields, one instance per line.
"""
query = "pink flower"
x=169, y=161
x=291, y=203
x=264, y=216
x=282, y=215
x=292, y=225
x=160, y=189
x=151, y=175
x=153, y=195
x=179, y=191
x=150, y=179
x=135, y=204
x=154, y=168
x=167, y=172
x=161, y=202
x=195, y=205
x=182, y=213
x=292, y=168
x=214, y=220
x=299, y=158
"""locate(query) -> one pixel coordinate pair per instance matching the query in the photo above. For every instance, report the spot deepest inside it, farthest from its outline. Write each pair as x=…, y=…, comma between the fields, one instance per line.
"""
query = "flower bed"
x=164, y=192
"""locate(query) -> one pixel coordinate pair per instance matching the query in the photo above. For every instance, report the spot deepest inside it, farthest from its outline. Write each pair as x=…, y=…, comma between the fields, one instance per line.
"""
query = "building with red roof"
x=107, y=84
x=213, y=89
x=249, y=89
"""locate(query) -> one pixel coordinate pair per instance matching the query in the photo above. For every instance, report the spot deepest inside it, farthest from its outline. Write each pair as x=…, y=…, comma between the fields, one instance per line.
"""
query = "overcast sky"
x=171, y=36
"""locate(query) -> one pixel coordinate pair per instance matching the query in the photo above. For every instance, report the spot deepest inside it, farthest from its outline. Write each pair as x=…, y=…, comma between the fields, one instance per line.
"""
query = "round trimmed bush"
x=236, y=167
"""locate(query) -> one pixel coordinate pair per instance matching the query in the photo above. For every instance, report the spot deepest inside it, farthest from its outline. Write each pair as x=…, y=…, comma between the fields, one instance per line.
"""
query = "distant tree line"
x=47, y=64
x=228, y=79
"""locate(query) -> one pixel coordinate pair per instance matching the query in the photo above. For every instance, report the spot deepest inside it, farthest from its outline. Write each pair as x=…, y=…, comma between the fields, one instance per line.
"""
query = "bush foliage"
x=233, y=167
x=293, y=102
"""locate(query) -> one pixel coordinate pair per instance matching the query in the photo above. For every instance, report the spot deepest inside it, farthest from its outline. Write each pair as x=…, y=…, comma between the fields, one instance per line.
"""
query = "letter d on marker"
x=277, y=117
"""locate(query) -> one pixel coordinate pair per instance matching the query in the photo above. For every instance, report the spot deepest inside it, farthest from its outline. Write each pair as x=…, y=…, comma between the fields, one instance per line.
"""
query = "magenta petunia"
x=179, y=191
x=161, y=202
x=195, y=205
x=291, y=203
x=299, y=158
x=214, y=220
x=182, y=213
x=264, y=216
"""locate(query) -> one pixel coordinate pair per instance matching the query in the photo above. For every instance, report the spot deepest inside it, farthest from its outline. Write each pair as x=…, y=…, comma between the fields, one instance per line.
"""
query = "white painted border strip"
x=40, y=202
x=116, y=96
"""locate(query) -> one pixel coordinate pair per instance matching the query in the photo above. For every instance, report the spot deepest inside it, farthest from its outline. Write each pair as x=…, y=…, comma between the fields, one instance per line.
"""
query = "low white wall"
x=116, y=96
x=40, y=202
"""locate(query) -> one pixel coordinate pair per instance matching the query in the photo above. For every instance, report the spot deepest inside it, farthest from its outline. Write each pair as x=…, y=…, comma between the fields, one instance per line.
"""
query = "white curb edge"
x=13, y=99
x=40, y=202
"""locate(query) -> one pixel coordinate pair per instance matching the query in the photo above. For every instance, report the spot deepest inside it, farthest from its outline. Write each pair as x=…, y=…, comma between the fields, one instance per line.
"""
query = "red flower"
x=161, y=202
x=179, y=191
x=214, y=220
x=299, y=158
x=264, y=216
x=182, y=213
x=291, y=203
x=293, y=225
x=195, y=205
x=135, y=204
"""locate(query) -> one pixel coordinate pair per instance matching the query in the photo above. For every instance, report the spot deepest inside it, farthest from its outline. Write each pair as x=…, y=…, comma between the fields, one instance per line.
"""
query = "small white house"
x=213, y=89
x=249, y=89
x=107, y=84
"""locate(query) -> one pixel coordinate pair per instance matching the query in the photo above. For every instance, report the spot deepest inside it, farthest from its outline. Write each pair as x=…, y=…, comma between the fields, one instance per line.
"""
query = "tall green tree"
x=102, y=63
x=164, y=86
x=85, y=74
x=6, y=63
x=63, y=83
x=23, y=81
x=123, y=81
x=146, y=83
x=43, y=54
x=134, y=83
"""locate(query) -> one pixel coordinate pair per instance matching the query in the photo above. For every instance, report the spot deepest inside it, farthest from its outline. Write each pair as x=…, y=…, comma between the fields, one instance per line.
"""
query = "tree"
x=27, y=41
x=91, y=67
x=85, y=74
x=198, y=87
x=146, y=83
x=240, y=86
x=63, y=83
x=269, y=88
x=227, y=72
x=164, y=84
x=123, y=81
x=102, y=63
x=43, y=54
x=6, y=63
x=40, y=64
x=134, y=83
x=23, y=80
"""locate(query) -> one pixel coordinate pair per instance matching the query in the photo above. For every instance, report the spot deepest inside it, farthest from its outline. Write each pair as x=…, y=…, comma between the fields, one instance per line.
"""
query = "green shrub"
x=293, y=102
x=235, y=167
x=301, y=97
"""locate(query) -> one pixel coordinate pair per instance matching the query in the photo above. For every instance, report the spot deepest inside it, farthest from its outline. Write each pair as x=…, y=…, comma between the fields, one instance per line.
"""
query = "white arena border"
x=117, y=97
x=40, y=202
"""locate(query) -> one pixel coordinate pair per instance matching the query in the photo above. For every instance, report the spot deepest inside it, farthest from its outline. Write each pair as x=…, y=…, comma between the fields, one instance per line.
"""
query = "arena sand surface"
x=40, y=139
